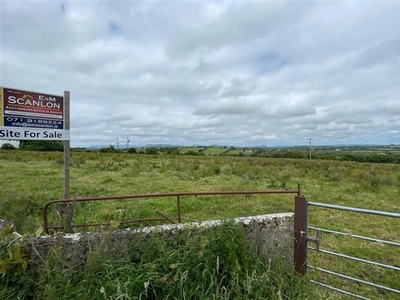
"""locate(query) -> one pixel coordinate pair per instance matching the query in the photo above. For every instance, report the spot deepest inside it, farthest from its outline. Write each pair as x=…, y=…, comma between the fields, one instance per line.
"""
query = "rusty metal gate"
x=49, y=228
x=311, y=241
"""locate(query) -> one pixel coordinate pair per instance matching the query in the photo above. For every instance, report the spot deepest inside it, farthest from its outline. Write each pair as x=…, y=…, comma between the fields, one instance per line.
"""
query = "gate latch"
x=316, y=241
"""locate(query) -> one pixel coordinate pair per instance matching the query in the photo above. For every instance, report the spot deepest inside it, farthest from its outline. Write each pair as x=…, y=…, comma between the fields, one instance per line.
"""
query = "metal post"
x=178, y=204
x=300, y=234
x=45, y=219
x=67, y=209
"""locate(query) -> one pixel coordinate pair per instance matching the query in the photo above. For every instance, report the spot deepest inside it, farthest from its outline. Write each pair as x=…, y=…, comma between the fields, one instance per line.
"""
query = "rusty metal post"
x=178, y=204
x=300, y=234
x=45, y=219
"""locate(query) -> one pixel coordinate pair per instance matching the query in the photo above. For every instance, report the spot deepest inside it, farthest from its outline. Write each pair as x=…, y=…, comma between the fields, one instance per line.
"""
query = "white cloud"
x=211, y=72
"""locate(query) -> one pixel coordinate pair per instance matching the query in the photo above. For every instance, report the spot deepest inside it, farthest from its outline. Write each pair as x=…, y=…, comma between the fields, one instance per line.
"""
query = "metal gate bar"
x=356, y=236
x=339, y=290
x=357, y=210
x=356, y=259
x=378, y=286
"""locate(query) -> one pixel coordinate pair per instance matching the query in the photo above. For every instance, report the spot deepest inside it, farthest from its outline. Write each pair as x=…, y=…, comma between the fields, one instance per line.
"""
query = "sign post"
x=67, y=209
x=1, y=107
x=66, y=145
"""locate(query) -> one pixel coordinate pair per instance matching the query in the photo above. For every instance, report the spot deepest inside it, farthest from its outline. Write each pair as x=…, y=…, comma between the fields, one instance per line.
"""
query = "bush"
x=7, y=146
x=152, y=151
x=109, y=149
x=41, y=145
x=132, y=150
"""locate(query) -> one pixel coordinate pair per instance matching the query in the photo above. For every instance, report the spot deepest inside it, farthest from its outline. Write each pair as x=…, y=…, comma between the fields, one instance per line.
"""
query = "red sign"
x=32, y=105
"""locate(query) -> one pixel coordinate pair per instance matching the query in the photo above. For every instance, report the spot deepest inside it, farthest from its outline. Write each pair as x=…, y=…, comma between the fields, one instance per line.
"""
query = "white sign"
x=18, y=133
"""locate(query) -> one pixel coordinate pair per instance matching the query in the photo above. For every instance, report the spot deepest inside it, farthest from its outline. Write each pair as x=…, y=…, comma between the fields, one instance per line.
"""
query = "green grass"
x=31, y=179
x=236, y=152
x=201, y=264
x=214, y=151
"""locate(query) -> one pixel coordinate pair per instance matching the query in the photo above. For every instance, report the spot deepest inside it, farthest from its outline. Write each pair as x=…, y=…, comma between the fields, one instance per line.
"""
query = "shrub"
x=41, y=145
x=109, y=149
x=132, y=150
x=7, y=146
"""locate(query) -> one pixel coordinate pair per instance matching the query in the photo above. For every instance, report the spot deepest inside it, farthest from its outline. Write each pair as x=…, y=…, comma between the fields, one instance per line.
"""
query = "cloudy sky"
x=211, y=72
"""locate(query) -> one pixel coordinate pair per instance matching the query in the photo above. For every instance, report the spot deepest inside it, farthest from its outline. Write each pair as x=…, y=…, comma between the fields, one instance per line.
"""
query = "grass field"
x=31, y=179
x=236, y=152
x=190, y=150
x=214, y=151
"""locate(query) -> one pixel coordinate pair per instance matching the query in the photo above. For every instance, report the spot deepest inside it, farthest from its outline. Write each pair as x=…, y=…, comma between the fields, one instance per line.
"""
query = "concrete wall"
x=267, y=234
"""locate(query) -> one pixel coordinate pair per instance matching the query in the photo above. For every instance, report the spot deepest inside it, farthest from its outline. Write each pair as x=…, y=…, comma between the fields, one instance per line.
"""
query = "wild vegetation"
x=30, y=179
x=194, y=265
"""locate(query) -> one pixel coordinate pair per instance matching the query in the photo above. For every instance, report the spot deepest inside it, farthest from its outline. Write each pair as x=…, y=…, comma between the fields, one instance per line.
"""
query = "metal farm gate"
x=49, y=227
x=364, y=257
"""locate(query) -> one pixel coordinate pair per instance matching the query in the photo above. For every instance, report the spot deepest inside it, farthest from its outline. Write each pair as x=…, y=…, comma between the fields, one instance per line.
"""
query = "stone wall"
x=266, y=234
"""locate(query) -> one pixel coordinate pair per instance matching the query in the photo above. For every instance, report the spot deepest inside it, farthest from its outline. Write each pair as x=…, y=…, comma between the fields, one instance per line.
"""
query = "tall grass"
x=201, y=264
x=30, y=179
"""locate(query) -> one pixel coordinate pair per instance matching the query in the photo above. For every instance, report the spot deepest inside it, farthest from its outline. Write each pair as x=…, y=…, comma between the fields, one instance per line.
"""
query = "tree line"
x=378, y=157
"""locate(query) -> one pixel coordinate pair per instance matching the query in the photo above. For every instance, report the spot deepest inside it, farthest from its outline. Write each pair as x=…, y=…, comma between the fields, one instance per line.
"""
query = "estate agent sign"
x=28, y=115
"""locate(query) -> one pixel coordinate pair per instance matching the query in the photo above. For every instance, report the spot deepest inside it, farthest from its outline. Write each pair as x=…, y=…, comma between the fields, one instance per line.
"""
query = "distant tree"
x=294, y=154
x=41, y=145
x=132, y=150
x=257, y=152
x=110, y=149
x=7, y=146
x=151, y=150
x=169, y=150
x=191, y=152
x=173, y=152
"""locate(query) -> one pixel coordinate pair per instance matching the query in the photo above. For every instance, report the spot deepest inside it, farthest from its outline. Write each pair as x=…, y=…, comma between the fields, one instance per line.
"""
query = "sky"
x=239, y=73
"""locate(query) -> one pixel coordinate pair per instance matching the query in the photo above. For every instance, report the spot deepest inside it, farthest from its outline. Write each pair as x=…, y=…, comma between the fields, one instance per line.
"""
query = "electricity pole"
x=127, y=144
x=310, y=149
x=117, y=143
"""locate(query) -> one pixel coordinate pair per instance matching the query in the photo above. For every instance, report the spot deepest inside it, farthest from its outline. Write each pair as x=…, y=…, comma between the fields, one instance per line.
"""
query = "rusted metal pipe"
x=166, y=217
x=178, y=205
